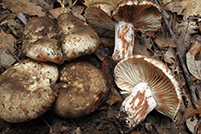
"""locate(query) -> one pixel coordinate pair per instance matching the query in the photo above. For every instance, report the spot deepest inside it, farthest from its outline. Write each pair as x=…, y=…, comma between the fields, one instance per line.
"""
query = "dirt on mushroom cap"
x=40, y=41
x=83, y=89
x=25, y=91
x=77, y=38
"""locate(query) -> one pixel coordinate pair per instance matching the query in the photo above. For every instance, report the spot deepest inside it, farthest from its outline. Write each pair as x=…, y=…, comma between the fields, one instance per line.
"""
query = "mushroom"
x=82, y=89
x=148, y=84
x=40, y=41
x=25, y=91
x=128, y=15
x=76, y=37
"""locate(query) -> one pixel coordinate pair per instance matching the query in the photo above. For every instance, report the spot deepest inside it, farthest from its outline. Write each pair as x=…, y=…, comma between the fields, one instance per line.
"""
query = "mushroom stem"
x=137, y=105
x=124, y=41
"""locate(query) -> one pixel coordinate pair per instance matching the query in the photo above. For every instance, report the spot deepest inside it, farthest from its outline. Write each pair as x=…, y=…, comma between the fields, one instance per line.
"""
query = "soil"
x=104, y=120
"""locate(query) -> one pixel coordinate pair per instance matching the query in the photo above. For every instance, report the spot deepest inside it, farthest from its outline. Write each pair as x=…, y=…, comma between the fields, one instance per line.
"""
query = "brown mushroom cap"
x=77, y=38
x=161, y=81
x=25, y=91
x=40, y=41
x=82, y=89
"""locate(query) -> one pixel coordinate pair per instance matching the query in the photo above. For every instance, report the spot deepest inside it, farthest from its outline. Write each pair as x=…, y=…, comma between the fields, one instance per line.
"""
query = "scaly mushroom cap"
x=40, y=41
x=82, y=89
x=77, y=38
x=164, y=87
x=99, y=17
x=144, y=15
x=25, y=91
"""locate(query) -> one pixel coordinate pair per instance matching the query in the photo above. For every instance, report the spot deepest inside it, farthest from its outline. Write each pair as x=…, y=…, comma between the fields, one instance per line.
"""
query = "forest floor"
x=161, y=45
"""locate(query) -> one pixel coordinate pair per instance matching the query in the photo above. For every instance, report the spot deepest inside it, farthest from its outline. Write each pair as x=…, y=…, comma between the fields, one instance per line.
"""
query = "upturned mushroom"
x=127, y=16
x=83, y=89
x=39, y=41
x=148, y=84
x=77, y=38
x=25, y=91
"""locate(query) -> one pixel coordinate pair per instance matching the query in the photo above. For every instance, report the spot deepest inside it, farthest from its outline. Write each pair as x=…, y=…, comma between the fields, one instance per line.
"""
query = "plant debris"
x=177, y=43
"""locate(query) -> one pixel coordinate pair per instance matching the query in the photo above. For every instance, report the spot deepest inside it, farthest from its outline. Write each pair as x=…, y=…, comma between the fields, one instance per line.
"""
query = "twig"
x=190, y=84
x=14, y=55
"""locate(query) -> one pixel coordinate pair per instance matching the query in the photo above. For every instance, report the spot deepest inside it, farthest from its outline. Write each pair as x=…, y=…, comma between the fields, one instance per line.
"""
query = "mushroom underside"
x=134, y=70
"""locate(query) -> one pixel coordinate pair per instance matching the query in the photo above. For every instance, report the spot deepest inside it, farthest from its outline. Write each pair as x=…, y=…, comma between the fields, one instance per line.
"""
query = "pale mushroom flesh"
x=165, y=90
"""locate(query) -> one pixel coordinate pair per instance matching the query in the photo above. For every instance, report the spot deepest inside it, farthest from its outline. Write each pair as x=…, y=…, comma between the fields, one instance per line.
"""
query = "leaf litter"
x=161, y=45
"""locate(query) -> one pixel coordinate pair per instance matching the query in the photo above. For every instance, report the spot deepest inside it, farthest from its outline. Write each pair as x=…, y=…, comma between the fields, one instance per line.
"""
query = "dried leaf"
x=191, y=111
x=75, y=9
x=161, y=41
x=191, y=124
x=112, y=2
x=7, y=41
x=42, y=3
x=6, y=60
x=23, y=6
x=194, y=65
x=169, y=56
x=141, y=48
x=185, y=7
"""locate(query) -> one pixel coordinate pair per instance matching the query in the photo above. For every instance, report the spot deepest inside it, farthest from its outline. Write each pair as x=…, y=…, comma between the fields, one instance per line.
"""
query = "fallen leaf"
x=141, y=48
x=191, y=124
x=185, y=7
x=191, y=111
x=43, y=3
x=23, y=6
x=112, y=2
x=75, y=9
x=6, y=60
x=194, y=65
x=169, y=56
x=7, y=44
x=163, y=42
x=7, y=41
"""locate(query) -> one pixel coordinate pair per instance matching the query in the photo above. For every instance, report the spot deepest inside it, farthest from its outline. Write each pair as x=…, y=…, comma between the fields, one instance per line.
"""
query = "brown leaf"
x=195, y=48
x=185, y=7
x=191, y=111
x=57, y=11
x=164, y=42
x=112, y=2
x=7, y=41
x=141, y=48
x=169, y=56
x=194, y=65
x=23, y=6
x=6, y=60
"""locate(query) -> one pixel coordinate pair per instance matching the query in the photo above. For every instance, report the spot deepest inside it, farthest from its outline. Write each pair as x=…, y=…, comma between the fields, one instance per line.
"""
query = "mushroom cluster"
x=56, y=41
x=26, y=87
x=122, y=21
x=26, y=90
x=148, y=84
